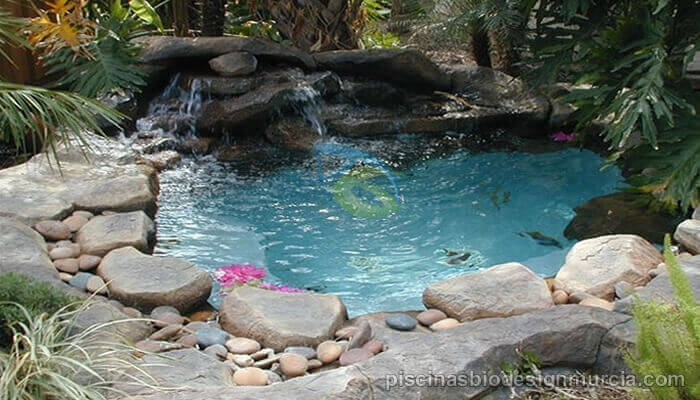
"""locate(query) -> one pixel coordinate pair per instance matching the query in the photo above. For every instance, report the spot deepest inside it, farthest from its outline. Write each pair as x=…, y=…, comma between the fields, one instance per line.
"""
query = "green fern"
x=111, y=65
x=667, y=337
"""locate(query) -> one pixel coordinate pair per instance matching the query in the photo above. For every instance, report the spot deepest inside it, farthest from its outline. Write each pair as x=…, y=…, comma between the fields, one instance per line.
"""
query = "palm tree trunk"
x=213, y=17
x=181, y=17
x=481, y=48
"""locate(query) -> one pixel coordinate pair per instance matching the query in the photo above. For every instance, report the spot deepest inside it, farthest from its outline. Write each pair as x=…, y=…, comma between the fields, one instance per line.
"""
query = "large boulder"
x=117, y=326
x=258, y=105
x=155, y=49
x=688, y=234
x=568, y=335
x=108, y=177
x=23, y=251
x=696, y=213
x=145, y=282
x=486, y=87
x=105, y=233
x=234, y=64
x=620, y=213
x=500, y=291
x=402, y=66
x=279, y=320
x=594, y=266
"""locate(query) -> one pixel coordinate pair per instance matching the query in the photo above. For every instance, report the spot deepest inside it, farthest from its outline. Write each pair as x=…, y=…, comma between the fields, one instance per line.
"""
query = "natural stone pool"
x=455, y=213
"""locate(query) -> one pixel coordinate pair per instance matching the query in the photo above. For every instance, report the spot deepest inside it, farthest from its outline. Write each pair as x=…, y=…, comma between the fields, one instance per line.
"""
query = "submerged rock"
x=293, y=134
x=620, y=213
x=279, y=320
x=145, y=282
x=500, y=291
x=594, y=266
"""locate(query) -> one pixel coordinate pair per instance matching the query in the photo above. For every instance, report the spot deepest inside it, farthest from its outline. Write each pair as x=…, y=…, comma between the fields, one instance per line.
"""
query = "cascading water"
x=175, y=112
x=307, y=102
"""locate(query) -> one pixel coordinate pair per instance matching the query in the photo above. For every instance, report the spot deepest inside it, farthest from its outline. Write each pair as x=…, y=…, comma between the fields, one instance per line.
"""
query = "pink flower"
x=232, y=276
x=238, y=274
x=563, y=137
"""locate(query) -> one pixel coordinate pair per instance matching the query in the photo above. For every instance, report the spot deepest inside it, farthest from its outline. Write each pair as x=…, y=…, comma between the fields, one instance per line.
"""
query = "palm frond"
x=37, y=115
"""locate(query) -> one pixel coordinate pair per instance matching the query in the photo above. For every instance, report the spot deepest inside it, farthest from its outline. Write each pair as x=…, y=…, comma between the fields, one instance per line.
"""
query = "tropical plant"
x=629, y=60
x=51, y=358
x=93, y=57
x=40, y=117
x=668, y=337
x=36, y=298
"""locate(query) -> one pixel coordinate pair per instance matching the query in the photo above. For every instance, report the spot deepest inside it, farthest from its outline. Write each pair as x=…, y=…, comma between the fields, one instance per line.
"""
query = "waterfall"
x=176, y=110
x=307, y=102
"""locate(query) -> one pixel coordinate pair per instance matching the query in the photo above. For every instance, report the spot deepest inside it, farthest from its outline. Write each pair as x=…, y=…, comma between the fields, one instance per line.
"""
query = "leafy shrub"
x=36, y=298
x=668, y=340
x=49, y=360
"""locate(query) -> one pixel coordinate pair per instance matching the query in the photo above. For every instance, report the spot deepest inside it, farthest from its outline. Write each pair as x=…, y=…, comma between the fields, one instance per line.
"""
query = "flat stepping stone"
x=144, y=282
x=500, y=291
x=401, y=322
x=108, y=232
x=279, y=320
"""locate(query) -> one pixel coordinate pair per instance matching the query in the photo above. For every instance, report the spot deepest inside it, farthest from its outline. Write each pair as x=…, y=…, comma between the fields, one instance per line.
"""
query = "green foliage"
x=50, y=358
x=104, y=59
x=36, y=298
x=40, y=116
x=380, y=40
x=33, y=115
x=254, y=23
x=529, y=363
x=668, y=336
x=630, y=58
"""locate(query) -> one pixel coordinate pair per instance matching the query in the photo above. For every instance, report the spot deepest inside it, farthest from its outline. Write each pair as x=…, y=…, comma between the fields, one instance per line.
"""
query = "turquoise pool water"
x=456, y=214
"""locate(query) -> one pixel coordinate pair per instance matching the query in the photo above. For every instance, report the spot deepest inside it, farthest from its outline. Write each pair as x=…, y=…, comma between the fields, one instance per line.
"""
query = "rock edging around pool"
x=476, y=321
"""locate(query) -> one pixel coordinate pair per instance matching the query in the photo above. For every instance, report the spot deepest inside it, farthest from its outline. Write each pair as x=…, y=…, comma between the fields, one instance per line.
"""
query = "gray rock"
x=261, y=103
x=307, y=352
x=120, y=326
x=208, y=336
x=159, y=311
x=157, y=48
x=623, y=289
x=293, y=134
x=234, y=64
x=500, y=291
x=688, y=234
x=166, y=333
x=280, y=320
x=401, y=66
x=401, y=322
x=105, y=233
x=143, y=281
x=163, y=160
x=216, y=351
x=594, y=266
x=696, y=213
x=109, y=179
x=96, y=285
x=24, y=252
x=80, y=280
x=486, y=87
x=565, y=335
x=189, y=366
x=364, y=334
x=660, y=288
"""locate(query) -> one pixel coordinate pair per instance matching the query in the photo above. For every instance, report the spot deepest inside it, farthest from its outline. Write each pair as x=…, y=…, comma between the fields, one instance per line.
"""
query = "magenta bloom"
x=232, y=276
x=238, y=274
x=563, y=137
